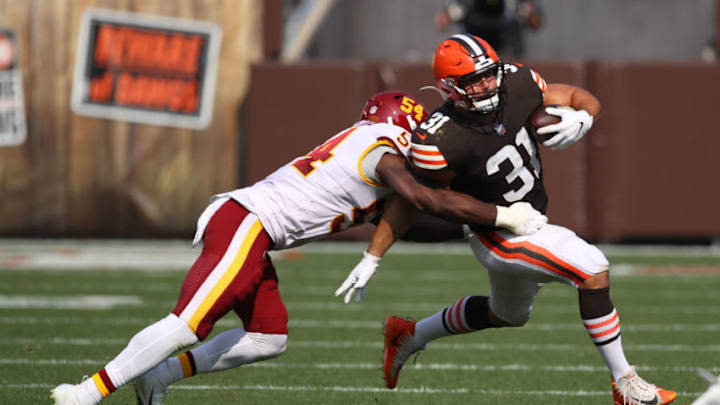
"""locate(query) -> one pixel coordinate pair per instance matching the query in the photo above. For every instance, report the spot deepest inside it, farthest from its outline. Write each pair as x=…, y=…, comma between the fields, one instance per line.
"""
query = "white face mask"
x=484, y=105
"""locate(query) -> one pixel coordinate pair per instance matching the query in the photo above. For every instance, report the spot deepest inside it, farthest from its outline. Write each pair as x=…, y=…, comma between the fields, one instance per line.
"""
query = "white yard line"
x=98, y=302
x=350, y=324
x=324, y=344
x=376, y=366
x=81, y=302
x=154, y=255
x=379, y=390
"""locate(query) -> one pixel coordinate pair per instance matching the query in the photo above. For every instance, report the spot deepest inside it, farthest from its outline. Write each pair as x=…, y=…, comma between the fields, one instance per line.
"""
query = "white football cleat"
x=149, y=389
x=630, y=389
x=65, y=394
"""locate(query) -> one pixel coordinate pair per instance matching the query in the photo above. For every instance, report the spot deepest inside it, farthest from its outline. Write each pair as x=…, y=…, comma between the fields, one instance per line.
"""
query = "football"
x=540, y=119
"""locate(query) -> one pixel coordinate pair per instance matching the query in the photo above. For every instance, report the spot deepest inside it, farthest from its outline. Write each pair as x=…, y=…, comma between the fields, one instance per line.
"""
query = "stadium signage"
x=13, y=130
x=146, y=69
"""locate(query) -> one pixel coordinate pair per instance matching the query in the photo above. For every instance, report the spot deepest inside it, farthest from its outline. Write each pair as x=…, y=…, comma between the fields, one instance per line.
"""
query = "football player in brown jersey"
x=478, y=143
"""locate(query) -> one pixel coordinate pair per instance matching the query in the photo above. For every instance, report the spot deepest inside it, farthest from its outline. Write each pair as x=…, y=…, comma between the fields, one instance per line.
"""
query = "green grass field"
x=671, y=325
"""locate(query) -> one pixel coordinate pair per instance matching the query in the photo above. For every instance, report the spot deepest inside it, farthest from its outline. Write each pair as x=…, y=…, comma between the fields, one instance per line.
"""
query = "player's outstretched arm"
x=395, y=221
x=453, y=206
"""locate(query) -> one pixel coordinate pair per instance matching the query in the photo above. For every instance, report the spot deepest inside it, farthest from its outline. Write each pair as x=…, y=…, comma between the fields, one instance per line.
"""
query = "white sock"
x=605, y=333
x=430, y=328
x=614, y=357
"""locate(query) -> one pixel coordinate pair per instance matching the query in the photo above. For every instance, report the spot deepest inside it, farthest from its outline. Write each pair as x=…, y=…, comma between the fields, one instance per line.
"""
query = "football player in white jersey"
x=341, y=183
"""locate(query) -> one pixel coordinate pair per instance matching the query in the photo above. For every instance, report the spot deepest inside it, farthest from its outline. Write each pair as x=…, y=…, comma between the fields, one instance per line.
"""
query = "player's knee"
x=600, y=280
x=510, y=319
x=269, y=345
x=176, y=331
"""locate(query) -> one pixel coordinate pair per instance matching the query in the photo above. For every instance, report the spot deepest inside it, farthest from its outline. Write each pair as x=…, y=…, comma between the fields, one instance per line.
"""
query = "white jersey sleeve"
x=369, y=163
x=323, y=192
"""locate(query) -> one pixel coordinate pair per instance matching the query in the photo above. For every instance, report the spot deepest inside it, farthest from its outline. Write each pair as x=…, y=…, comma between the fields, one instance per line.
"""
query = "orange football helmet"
x=460, y=63
x=395, y=108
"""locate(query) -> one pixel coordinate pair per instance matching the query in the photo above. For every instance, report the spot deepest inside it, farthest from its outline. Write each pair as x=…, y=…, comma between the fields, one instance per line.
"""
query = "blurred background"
x=120, y=118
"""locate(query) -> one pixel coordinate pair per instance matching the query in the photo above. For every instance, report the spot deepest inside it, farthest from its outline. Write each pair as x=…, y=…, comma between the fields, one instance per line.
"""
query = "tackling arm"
x=519, y=218
x=394, y=223
x=447, y=204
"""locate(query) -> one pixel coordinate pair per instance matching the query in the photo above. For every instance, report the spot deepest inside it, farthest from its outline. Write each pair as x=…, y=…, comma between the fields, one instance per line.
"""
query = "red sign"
x=147, y=69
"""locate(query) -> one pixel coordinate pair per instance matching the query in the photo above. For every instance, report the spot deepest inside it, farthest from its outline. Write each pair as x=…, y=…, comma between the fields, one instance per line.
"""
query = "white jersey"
x=328, y=190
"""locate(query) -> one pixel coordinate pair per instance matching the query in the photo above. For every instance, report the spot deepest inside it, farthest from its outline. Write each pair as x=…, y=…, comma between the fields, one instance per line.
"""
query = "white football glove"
x=359, y=277
x=573, y=125
x=520, y=218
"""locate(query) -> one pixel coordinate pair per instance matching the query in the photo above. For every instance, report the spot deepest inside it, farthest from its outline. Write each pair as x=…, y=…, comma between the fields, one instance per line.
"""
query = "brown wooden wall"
x=79, y=176
x=655, y=155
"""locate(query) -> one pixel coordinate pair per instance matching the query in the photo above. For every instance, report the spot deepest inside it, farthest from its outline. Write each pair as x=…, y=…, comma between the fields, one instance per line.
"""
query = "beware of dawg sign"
x=146, y=69
x=12, y=103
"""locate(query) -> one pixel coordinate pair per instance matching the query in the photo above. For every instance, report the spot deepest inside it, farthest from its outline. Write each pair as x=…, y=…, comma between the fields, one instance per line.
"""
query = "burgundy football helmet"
x=396, y=108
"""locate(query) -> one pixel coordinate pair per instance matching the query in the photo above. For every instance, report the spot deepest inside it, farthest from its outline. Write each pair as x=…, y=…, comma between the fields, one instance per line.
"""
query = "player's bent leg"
x=229, y=271
x=600, y=280
x=237, y=347
x=145, y=350
x=259, y=305
x=229, y=349
x=603, y=325
x=602, y=322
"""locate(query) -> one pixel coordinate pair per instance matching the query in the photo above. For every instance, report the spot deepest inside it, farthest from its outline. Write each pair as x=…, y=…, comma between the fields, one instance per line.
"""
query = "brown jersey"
x=495, y=162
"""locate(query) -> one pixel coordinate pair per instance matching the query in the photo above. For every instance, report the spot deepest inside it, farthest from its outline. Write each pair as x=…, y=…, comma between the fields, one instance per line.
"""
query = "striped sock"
x=175, y=368
x=454, y=320
x=603, y=325
x=468, y=314
x=187, y=364
x=147, y=348
x=101, y=383
x=604, y=329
